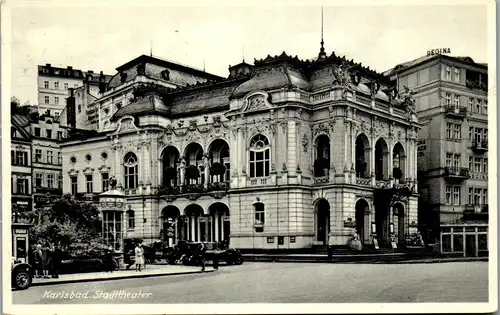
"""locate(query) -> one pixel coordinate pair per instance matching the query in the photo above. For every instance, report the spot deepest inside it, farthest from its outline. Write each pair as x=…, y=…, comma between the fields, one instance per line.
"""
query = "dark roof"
x=421, y=60
x=151, y=103
x=167, y=64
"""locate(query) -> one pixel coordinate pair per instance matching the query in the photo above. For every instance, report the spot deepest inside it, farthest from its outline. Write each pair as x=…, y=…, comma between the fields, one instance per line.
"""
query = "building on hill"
x=278, y=155
x=451, y=95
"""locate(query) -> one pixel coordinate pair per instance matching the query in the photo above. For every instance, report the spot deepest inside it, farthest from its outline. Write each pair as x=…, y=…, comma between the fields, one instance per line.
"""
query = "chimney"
x=47, y=65
x=70, y=68
x=70, y=109
x=90, y=71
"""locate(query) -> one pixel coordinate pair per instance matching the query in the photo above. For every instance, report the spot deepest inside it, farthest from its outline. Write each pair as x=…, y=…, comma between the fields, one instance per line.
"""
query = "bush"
x=192, y=172
x=217, y=169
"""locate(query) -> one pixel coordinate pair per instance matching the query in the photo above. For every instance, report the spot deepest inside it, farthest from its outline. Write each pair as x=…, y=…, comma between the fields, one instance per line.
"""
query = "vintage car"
x=22, y=275
x=185, y=251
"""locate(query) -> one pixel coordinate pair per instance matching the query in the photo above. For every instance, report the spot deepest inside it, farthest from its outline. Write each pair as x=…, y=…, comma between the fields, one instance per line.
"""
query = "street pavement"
x=255, y=282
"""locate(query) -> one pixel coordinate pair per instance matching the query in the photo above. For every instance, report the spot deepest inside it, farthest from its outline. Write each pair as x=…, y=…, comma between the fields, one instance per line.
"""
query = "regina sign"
x=438, y=51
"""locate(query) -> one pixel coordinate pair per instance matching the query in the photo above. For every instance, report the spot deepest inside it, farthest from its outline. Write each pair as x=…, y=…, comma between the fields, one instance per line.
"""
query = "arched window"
x=259, y=156
x=130, y=219
x=131, y=171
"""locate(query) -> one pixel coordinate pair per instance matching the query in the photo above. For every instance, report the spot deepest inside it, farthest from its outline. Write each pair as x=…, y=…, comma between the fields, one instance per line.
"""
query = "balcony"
x=216, y=190
x=458, y=173
x=456, y=111
x=476, y=85
x=480, y=146
x=476, y=212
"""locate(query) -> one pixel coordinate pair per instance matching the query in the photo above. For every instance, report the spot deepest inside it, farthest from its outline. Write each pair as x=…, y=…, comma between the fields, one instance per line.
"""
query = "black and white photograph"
x=249, y=157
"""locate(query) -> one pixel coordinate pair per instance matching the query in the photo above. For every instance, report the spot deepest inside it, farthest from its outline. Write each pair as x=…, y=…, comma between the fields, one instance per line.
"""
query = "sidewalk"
x=150, y=271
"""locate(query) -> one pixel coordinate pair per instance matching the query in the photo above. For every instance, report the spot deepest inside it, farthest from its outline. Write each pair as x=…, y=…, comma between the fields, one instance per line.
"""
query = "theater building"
x=278, y=155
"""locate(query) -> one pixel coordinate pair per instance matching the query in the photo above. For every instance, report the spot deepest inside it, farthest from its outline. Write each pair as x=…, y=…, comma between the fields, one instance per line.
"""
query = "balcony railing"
x=456, y=111
x=476, y=208
x=456, y=172
x=364, y=181
x=471, y=84
x=192, y=189
x=480, y=146
x=219, y=186
x=258, y=181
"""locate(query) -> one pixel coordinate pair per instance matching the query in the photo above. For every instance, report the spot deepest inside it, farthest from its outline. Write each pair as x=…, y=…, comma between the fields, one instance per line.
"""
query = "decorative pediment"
x=126, y=124
x=104, y=169
x=256, y=101
x=88, y=170
x=73, y=172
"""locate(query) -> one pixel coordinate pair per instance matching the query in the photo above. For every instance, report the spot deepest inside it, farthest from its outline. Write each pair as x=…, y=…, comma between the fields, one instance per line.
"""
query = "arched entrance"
x=381, y=162
x=171, y=228
x=362, y=156
x=322, y=159
x=399, y=222
x=195, y=231
x=195, y=165
x=219, y=226
x=219, y=161
x=363, y=220
x=398, y=162
x=322, y=213
x=170, y=162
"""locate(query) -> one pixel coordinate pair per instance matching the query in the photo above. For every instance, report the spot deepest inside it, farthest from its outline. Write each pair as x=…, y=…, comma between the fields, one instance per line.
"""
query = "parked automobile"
x=22, y=275
x=185, y=251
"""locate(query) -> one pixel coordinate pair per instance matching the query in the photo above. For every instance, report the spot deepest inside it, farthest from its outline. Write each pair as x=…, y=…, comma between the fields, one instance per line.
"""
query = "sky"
x=101, y=38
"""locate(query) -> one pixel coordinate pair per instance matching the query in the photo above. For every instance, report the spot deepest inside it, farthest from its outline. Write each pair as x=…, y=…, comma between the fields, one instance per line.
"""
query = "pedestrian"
x=139, y=257
x=108, y=260
x=56, y=261
x=38, y=255
x=215, y=259
x=46, y=259
x=201, y=255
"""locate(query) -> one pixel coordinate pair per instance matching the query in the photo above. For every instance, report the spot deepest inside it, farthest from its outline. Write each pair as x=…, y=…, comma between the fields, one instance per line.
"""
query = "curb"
x=388, y=260
x=35, y=284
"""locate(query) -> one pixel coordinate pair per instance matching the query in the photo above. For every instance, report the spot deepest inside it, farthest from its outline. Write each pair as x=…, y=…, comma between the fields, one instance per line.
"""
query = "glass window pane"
x=446, y=243
x=259, y=156
x=267, y=154
x=482, y=242
x=458, y=245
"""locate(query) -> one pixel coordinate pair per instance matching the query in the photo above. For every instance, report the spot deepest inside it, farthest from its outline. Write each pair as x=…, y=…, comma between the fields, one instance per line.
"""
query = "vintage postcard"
x=249, y=157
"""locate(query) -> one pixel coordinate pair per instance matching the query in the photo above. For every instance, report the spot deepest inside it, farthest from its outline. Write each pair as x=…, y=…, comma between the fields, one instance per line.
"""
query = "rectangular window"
x=65, y=86
x=457, y=101
x=49, y=133
x=56, y=85
x=485, y=165
x=471, y=104
x=105, y=181
x=38, y=155
x=88, y=179
x=477, y=164
x=457, y=75
x=478, y=106
x=56, y=100
x=456, y=195
x=39, y=180
x=448, y=195
x=50, y=180
x=46, y=100
x=21, y=158
x=456, y=161
x=59, y=135
x=74, y=185
x=477, y=196
x=470, y=196
x=59, y=158
x=449, y=157
x=22, y=186
x=478, y=134
x=448, y=73
x=37, y=132
x=50, y=157
x=448, y=99
x=457, y=131
x=449, y=127
x=46, y=84
x=260, y=218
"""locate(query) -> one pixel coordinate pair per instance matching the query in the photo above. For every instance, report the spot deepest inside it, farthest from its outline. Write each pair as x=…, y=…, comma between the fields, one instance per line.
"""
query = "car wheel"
x=22, y=280
x=229, y=262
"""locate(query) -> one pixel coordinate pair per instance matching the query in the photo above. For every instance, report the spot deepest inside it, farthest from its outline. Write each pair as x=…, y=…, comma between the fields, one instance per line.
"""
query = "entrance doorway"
x=399, y=222
x=363, y=220
x=322, y=221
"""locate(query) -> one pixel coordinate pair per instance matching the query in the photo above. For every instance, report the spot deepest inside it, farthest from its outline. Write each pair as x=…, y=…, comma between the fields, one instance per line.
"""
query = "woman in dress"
x=139, y=257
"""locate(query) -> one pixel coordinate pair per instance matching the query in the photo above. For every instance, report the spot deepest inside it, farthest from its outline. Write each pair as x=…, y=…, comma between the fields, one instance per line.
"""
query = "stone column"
x=192, y=231
x=216, y=224
x=292, y=148
x=182, y=170
x=206, y=170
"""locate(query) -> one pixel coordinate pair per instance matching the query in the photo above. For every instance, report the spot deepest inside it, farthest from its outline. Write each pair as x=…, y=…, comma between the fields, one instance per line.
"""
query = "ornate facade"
x=276, y=156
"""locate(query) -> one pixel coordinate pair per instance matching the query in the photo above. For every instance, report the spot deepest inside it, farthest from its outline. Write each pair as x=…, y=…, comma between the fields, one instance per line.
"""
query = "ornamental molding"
x=126, y=125
x=321, y=128
x=256, y=101
x=104, y=169
x=88, y=170
x=73, y=172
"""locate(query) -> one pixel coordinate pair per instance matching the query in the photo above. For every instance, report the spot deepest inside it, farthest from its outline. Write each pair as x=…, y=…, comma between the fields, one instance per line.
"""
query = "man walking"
x=201, y=255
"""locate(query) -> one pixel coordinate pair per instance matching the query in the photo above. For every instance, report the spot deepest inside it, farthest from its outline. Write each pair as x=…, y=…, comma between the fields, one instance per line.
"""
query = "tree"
x=16, y=108
x=74, y=224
